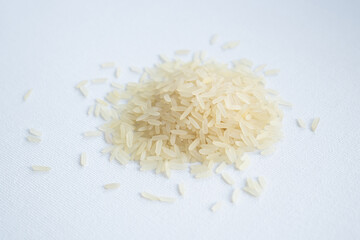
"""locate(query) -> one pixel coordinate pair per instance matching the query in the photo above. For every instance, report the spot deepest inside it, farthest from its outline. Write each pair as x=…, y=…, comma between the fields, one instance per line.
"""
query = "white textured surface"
x=312, y=179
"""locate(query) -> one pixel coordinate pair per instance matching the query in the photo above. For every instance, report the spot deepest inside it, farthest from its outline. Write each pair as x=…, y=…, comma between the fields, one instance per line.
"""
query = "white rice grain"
x=99, y=80
x=118, y=72
x=92, y=133
x=108, y=65
x=27, y=94
x=182, y=52
x=33, y=139
x=301, y=123
x=83, y=159
x=315, y=124
x=84, y=91
x=37, y=168
x=235, y=195
x=181, y=189
x=112, y=186
x=230, y=45
x=35, y=132
x=82, y=83
x=216, y=206
x=227, y=178
x=272, y=72
x=135, y=69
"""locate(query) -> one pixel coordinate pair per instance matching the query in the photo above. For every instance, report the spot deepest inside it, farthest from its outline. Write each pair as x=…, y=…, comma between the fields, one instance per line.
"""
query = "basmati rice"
x=83, y=159
x=33, y=139
x=182, y=52
x=272, y=72
x=90, y=111
x=108, y=65
x=27, y=94
x=226, y=177
x=82, y=83
x=181, y=189
x=235, y=195
x=260, y=68
x=230, y=45
x=99, y=80
x=190, y=112
x=117, y=85
x=84, y=91
x=153, y=197
x=220, y=168
x=92, y=134
x=255, y=187
x=112, y=186
x=117, y=72
x=315, y=124
x=40, y=168
x=35, y=132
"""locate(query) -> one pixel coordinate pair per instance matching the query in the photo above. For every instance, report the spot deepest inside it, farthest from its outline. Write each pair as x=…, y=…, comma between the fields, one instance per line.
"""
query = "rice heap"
x=191, y=112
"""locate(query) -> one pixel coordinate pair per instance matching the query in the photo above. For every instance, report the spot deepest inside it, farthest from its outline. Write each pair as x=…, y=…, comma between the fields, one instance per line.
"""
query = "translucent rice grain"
x=179, y=132
x=164, y=58
x=251, y=191
x=272, y=72
x=90, y=110
x=135, y=69
x=27, y=94
x=35, y=132
x=220, y=168
x=315, y=124
x=149, y=196
x=158, y=147
x=215, y=207
x=230, y=45
x=99, y=80
x=108, y=65
x=84, y=91
x=112, y=186
x=194, y=144
x=268, y=151
x=33, y=139
x=181, y=189
x=82, y=83
x=167, y=98
x=117, y=72
x=83, y=159
x=129, y=139
x=40, y=168
x=260, y=68
x=262, y=182
x=92, y=134
x=117, y=85
x=235, y=195
x=226, y=177
x=301, y=123
x=182, y=52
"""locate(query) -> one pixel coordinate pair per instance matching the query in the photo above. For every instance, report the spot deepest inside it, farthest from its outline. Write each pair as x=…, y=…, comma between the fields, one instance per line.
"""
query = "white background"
x=313, y=179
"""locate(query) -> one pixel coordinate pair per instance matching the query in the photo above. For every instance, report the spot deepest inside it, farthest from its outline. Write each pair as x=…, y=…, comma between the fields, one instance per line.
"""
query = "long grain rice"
x=315, y=124
x=27, y=94
x=40, y=168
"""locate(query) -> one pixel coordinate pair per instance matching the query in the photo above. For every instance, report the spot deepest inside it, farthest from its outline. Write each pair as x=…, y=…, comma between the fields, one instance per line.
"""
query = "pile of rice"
x=191, y=112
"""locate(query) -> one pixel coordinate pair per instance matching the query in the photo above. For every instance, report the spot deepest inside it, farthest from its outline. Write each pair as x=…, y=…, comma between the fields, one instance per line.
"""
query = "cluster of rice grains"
x=197, y=114
x=191, y=112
